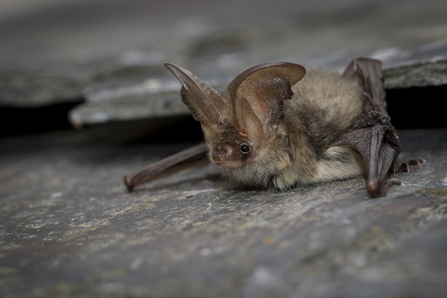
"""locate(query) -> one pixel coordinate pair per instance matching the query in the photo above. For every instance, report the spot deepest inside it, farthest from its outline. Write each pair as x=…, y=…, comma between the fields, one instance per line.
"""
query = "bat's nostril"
x=227, y=150
x=223, y=152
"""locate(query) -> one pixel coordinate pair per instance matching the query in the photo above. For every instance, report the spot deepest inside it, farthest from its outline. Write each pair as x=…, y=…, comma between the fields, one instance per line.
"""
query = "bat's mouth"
x=228, y=164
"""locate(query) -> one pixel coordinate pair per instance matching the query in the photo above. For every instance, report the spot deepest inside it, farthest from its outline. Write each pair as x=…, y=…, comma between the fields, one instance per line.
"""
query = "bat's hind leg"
x=405, y=166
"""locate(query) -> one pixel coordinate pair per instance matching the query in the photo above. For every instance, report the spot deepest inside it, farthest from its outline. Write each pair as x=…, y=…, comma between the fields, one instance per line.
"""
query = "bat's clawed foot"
x=405, y=166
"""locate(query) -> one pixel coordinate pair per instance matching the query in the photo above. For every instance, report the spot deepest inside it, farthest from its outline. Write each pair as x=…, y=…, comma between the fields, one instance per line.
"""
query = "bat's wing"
x=368, y=72
x=373, y=135
x=183, y=160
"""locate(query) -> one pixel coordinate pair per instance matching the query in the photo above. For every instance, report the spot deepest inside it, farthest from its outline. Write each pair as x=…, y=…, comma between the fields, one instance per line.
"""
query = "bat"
x=282, y=126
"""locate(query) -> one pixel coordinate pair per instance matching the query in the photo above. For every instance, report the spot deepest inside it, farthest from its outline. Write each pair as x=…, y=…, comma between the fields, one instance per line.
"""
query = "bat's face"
x=233, y=154
x=232, y=149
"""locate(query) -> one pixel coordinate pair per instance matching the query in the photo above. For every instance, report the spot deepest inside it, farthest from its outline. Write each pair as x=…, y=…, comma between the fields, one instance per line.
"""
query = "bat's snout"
x=227, y=156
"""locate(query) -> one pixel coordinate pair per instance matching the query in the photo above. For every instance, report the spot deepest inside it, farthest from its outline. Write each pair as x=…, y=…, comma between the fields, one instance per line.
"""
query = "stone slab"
x=68, y=227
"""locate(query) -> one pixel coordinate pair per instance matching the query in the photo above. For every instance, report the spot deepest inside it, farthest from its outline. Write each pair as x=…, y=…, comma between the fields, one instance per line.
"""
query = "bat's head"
x=240, y=130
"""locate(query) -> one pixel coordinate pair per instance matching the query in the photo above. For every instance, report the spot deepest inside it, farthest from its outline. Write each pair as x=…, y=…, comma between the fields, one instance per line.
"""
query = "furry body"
x=323, y=106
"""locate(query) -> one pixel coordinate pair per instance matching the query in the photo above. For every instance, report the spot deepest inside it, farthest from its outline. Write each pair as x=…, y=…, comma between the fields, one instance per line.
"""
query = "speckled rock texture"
x=70, y=229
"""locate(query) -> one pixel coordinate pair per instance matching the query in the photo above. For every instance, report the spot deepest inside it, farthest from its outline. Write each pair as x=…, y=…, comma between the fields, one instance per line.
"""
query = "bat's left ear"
x=262, y=89
x=205, y=104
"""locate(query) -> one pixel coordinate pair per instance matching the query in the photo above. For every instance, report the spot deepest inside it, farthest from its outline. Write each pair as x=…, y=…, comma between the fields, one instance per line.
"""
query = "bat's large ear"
x=206, y=105
x=255, y=98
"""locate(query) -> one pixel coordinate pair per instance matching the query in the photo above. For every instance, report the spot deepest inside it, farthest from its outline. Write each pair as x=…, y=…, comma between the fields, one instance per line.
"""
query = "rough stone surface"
x=420, y=74
x=36, y=86
x=68, y=228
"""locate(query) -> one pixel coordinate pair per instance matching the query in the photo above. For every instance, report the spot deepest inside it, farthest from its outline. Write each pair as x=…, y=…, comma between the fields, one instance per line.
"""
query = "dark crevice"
x=409, y=108
x=21, y=121
x=418, y=107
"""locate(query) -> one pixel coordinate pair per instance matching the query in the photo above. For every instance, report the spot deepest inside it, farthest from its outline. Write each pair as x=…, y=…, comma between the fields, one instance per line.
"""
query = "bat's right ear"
x=255, y=98
x=206, y=105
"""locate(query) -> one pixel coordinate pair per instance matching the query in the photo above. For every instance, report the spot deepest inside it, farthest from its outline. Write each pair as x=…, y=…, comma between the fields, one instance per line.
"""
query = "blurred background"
x=83, y=63
x=50, y=31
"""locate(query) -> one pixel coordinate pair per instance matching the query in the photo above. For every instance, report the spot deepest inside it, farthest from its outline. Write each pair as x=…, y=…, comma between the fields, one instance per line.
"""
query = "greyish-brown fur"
x=323, y=106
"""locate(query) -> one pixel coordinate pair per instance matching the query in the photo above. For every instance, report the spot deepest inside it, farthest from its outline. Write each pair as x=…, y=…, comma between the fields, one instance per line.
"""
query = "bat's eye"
x=244, y=148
